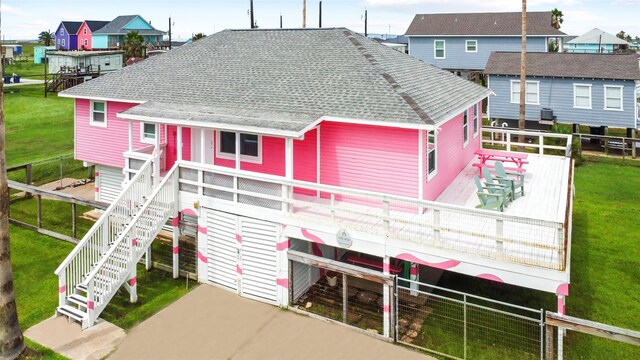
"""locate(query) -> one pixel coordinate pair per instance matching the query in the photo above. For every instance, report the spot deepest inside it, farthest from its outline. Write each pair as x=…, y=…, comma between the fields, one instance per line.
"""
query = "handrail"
x=541, y=135
x=100, y=222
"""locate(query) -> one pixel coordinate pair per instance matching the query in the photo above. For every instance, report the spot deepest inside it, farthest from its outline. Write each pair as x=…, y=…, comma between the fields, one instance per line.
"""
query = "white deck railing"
x=541, y=142
x=516, y=239
x=116, y=218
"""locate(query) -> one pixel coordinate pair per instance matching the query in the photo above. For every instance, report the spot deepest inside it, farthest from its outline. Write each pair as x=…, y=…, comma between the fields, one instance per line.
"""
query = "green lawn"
x=26, y=69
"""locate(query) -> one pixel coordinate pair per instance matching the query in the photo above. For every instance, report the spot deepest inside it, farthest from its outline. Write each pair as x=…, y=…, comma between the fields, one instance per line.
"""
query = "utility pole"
x=169, y=32
x=365, y=23
x=280, y=21
x=253, y=24
x=304, y=14
x=320, y=16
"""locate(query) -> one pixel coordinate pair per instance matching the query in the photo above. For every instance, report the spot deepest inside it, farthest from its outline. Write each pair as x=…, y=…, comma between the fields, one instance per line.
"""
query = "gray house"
x=463, y=42
x=588, y=89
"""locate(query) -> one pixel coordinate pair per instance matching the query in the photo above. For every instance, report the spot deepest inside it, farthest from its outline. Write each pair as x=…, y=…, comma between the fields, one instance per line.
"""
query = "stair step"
x=77, y=299
x=72, y=312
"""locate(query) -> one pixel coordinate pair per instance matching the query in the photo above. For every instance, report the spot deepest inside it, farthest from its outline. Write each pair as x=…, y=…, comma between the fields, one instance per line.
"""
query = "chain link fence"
x=457, y=325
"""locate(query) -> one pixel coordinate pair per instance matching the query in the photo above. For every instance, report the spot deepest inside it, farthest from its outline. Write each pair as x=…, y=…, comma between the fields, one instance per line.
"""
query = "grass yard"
x=26, y=69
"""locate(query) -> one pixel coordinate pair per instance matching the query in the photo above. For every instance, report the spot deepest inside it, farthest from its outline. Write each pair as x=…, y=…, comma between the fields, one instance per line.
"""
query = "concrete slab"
x=66, y=338
x=211, y=323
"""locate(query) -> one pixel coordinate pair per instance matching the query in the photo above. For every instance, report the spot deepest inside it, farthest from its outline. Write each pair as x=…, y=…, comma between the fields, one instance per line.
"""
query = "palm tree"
x=46, y=37
x=523, y=71
x=133, y=44
x=198, y=36
x=11, y=340
x=621, y=34
x=556, y=22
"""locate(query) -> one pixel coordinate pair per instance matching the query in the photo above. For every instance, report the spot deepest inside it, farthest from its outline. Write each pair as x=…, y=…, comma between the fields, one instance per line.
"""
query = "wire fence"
x=63, y=169
x=462, y=326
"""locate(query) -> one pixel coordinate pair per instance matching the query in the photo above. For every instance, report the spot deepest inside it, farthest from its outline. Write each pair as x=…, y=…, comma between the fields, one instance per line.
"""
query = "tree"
x=133, y=44
x=11, y=339
x=621, y=34
x=46, y=37
x=628, y=38
x=523, y=71
x=198, y=36
x=556, y=22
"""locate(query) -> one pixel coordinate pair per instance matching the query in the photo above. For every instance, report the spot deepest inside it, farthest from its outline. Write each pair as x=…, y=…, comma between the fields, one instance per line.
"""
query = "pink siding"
x=172, y=155
x=105, y=146
x=272, y=158
x=451, y=156
x=305, y=161
x=82, y=37
x=374, y=158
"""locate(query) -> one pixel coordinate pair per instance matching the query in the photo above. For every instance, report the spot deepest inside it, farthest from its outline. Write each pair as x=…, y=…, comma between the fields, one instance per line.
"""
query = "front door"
x=200, y=138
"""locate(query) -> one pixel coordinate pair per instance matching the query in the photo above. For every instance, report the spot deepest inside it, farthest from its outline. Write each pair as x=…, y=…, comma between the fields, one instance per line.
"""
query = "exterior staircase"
x=107, y=256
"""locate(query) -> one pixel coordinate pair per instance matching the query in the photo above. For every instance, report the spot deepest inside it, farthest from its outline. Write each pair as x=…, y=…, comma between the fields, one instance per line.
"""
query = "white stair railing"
x=104, y=232
x=118, y=264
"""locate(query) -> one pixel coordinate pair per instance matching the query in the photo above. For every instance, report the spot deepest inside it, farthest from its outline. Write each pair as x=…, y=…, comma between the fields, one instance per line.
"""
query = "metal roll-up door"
x=259, y=259
x=110, y=185
x=222, y=250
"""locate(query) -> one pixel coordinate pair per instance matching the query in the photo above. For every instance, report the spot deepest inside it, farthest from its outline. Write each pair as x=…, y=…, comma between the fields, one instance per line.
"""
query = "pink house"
x=288, y=148
x=85, y=31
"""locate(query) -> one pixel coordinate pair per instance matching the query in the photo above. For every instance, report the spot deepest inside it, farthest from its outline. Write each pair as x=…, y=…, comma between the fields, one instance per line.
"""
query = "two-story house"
x=67, y=35
x=462, y=42
x=597, y=90
x=112, y=35
x=597, y=41
x=85, y=33
x=296, y=151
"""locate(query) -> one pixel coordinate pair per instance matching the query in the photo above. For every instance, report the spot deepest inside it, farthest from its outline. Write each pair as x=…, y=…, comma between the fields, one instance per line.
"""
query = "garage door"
x=248, y=261
x=110, y=185
x=222, y=249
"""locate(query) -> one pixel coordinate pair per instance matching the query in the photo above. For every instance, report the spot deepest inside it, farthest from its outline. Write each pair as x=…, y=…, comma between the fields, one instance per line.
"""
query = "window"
x=86, y=42
x=84, y=31
x=472, y=46
x=250, y=146
x=431, y=154
x=98, y=114
x=613, y=97
x=582, y=96
x=62, y=31
x=465, y=128
x=107, y=61
x=439, y=49
x=63, y=42
x=532, y=95
x=148, y=133
x=475, y=120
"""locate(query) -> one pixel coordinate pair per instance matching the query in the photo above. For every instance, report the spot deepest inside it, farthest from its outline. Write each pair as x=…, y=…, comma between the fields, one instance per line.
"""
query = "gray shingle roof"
x=286, y=79
x=571, y=65
x=116, y=27
x=72, y=27
x=95, y=25
x=502, y=23
x=597, y=36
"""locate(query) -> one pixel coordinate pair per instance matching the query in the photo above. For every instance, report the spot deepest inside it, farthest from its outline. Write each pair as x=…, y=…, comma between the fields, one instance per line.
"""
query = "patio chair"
x=488, y=200
x=495, y=187
x=516, y=182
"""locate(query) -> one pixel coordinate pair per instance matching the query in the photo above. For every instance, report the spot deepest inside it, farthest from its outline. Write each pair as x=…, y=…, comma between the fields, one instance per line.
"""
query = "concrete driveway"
x=210, y=323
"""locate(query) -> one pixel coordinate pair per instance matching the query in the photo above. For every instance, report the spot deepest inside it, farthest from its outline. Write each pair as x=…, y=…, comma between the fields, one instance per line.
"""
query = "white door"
x=222, y=249
x=200, y=138
x=109, y=183
x=259, y=260
x=195, y=145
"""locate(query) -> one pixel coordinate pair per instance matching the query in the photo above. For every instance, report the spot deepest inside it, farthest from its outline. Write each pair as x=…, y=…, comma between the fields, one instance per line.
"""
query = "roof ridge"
x=397, y=88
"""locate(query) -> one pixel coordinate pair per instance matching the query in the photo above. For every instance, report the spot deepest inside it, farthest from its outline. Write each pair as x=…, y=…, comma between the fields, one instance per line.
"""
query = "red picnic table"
x=485, y=155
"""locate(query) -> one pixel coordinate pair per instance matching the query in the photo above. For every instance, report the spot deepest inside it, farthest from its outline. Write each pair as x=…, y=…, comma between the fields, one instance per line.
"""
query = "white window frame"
x=537, y=83
x=244, y=158
x=476, y=125
x=435, y=49
x=575, y=96
x=147, y=140
x=465, y=128
x=606, y=87
x=63, y=42
x=84, y=31
x=466, y=46
x=62, y=32
x=102, y=124
x=434, y=172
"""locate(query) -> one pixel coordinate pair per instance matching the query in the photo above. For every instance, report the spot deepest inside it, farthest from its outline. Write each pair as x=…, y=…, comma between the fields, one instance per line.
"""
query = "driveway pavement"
x=210, y=323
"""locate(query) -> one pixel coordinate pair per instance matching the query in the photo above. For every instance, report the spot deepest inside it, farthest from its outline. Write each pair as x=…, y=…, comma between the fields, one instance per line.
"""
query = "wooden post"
x=39, y=211
x=28, y=179
x=549, y=353
x=345, y=299
x=73, y=220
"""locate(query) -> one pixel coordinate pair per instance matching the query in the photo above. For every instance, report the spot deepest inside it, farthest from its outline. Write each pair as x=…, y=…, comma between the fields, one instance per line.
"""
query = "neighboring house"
x=463, y=42
x=348, y=149
x=39, y=53
x=85, y=33
x=86, y=61
x=597, y=41
x=587, y=89
x=67, y=35
x=112, y=35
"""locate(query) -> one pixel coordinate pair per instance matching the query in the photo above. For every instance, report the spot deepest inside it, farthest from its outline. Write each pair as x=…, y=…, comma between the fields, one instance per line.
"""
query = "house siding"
x=82, y=37
x=456, y=57
x=557, y=94
x=452, y=156
x=373, y=158
x=138, y=24
x=590, y=48
x=99, y=41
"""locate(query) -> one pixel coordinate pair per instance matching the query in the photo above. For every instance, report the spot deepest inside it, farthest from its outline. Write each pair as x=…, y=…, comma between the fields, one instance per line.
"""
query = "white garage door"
x=110, y=183
x=257, y=260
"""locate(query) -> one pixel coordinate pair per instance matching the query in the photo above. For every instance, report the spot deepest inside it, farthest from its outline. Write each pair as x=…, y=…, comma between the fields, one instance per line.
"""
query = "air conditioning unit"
x=546, y=116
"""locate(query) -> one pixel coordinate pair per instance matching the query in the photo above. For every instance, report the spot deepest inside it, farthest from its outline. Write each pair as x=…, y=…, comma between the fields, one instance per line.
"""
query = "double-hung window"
x=582, y=96
x=471, y=46
x=465, y=128
x=148, y=133
x=98, y=115
x=532, y=95
x=475, y=120
x=432, y=168
x=250, y=146
x=84, y=31
x=613, y=97
x=439, y=49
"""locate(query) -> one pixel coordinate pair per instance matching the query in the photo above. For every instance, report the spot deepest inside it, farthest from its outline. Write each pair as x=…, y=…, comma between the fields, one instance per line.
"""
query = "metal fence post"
x=541, y=334
x=345, y=298
x=464, y=312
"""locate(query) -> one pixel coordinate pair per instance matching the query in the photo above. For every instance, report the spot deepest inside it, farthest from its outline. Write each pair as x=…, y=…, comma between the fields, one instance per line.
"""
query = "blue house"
x=67, y=35
x=112, y=35
x=597, y=41
x=582, y=89
x=463, y=42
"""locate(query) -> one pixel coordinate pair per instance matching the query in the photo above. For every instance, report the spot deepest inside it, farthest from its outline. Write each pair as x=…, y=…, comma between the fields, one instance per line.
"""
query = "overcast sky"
x=25, y=19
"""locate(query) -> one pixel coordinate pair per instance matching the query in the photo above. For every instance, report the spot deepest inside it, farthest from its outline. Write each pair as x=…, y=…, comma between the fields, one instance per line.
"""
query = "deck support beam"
x=148, y=263
x=175, y=247
x=156, y=160
x=562, y=311
x=386, y=290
